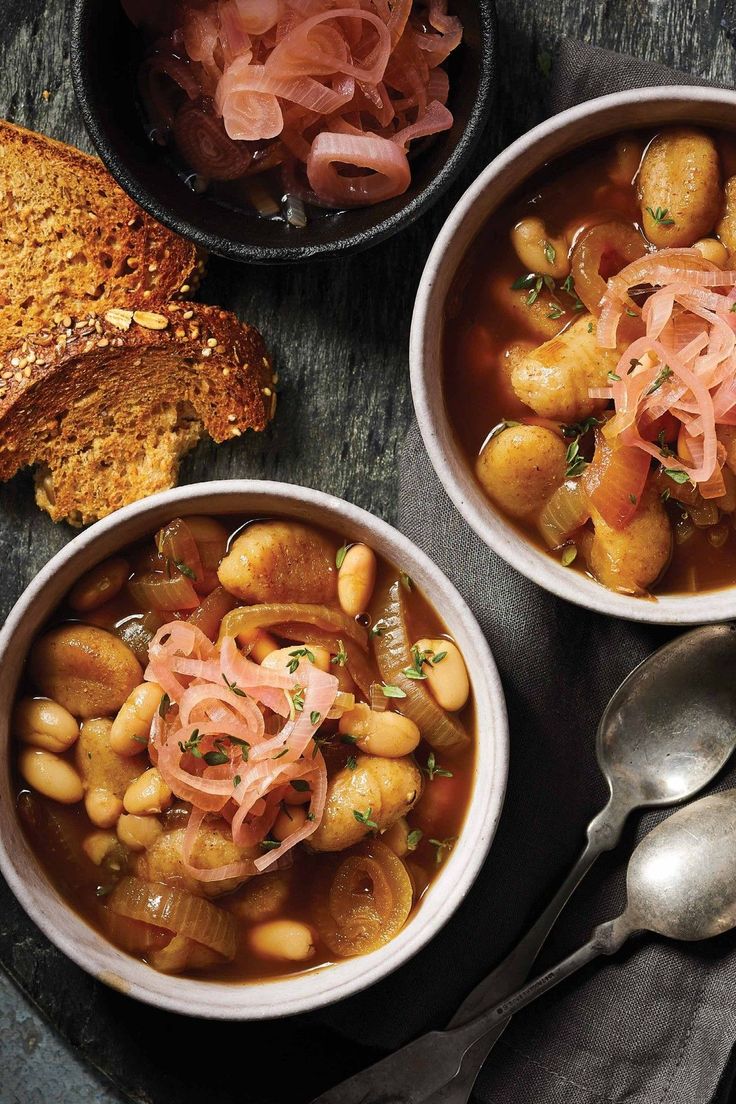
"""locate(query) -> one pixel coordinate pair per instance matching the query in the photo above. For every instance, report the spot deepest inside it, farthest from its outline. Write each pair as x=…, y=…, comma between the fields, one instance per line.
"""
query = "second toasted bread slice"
x=72, y=241
x=107, y=405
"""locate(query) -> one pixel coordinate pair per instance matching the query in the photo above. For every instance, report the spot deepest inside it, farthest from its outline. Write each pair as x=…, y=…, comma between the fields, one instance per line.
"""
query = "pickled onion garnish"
x=206, y=147
x=390, y=174
x=210, y=742
x=306, y=71
x=683, y=365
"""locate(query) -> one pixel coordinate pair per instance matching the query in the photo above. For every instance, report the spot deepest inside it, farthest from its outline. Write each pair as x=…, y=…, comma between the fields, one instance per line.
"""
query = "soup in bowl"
x=586, y=358
x=245, y=746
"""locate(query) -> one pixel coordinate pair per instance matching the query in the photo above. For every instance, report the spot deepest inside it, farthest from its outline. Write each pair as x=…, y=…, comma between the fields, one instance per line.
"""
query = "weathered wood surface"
x=338, y=333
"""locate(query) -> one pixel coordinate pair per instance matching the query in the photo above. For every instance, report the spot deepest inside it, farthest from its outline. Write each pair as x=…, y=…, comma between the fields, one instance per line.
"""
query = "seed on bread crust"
x=120, y=318
x=150, y=321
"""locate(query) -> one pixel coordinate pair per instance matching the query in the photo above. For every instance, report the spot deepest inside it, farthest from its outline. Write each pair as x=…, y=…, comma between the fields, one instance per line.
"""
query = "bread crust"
x=73, y=241
x=93, y=399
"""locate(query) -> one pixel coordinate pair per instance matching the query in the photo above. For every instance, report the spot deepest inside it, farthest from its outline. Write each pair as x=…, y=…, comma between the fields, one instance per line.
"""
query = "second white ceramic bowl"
x=283, y=996
x=648, y=107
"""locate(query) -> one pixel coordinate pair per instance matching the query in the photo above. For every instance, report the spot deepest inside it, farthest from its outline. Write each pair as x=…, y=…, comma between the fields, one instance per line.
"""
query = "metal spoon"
x=667, y=731
x=680, y=882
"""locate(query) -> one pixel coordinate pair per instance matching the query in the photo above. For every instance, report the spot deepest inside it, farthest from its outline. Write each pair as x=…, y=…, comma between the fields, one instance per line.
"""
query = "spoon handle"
x=412, y=1074
x=604, y=832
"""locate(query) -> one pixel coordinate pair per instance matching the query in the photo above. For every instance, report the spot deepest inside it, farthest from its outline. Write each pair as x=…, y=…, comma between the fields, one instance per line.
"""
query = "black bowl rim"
x=226, y=247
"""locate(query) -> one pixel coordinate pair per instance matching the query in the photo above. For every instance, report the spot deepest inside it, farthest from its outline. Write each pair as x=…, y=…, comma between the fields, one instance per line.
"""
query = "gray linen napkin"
x=654, y=1025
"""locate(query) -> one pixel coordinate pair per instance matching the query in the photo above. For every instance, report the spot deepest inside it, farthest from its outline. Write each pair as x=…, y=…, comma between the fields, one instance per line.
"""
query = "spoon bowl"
x=670, y=726
x=681, y=879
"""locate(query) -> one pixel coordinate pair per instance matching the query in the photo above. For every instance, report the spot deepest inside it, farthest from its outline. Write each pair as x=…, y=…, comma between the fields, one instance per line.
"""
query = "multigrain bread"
x=71, y=241
x=107, y=405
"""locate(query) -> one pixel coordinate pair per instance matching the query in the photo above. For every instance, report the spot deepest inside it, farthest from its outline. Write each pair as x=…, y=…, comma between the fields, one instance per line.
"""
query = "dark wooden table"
x=338, y=334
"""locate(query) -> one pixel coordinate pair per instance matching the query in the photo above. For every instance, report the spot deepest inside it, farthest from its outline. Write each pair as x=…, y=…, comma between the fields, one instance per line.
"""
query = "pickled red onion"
x=683, y=365
x=305, y=71
x=217, y=697
x=390, y=172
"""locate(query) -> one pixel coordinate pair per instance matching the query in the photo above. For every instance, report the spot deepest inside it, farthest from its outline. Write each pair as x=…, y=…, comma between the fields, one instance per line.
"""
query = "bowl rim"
x=500, y=535
x=261, y=254
x=297, y=993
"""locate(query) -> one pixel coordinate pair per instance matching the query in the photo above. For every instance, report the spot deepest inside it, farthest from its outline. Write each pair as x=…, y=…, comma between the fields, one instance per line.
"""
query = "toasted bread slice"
x=108, y=405
x=71, y=241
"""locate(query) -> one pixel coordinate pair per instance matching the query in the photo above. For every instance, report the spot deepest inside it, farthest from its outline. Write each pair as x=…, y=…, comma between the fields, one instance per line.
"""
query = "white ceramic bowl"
x=289, y=995
x=564, y=132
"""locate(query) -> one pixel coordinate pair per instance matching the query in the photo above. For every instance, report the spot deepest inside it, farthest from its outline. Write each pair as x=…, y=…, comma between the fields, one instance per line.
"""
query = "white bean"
x=147, y=794
x=131, y=727
x=44, y=723
x=356, y=579
x=51, y=776
x=387, y=734
x=447, y=677
x=286, y=940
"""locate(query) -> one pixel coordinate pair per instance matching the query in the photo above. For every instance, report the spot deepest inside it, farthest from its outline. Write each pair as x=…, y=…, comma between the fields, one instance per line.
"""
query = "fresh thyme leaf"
x=590, y=327
x=579, y=429
x=660, y=216
x=185, y=569
x=280, y=754
x=297, y=699
x=419, y=659
x=677, y=476
x=550, y=252
x=378, y=629
x=441, y=846
x=575, y=463
x=555, y=312
x=237, y=780
x=140, y=740
x=433, y=769
x=392, y=691
x=569, y=555
x=438, y=658
x=342, y=656
x=311, y=816
x=631, y=313
x=347, y=739
x=298, y=654
x=315, y=717
x=270, y=844
x=663, y=448
x=534, y=293
x=413, y=839
x=663, y=376
x=405, y=581
x=351, y=762
x=523, y=283
x=633, y=499
x=216, y=758
x=234, y=687
x=164, y=706
x=340, y=557
x=365, y=818
x=614, y=377
x=192, y=744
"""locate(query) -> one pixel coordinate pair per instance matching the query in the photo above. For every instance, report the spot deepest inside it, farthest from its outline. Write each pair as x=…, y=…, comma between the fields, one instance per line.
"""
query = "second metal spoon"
x=666, y=733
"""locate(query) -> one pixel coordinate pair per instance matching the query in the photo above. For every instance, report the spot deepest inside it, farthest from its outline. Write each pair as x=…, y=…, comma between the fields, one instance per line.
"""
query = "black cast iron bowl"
x=103, y=48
